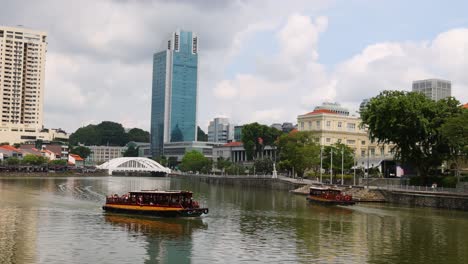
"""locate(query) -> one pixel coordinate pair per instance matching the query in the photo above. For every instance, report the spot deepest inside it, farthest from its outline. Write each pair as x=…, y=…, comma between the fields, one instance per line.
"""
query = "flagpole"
x=331, y=165
x=321, y=162
x=342, y=166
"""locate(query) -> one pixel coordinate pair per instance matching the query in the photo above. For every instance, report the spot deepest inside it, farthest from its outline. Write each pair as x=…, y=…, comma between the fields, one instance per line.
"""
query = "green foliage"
x=195, y=161
x=83, y=152
x=172, y=162
x=12, y=161
x=131, y=151
x=111, y=133
x=255, y=137
x=446, y=182
x=201, y=135
x=455, y=132
x=138, y=135
x=337, y=149
x=222, y=163
x=412, y=122
x=235, y=169
x=449, y=182
x=31, y=159
x=107, y=133
x=87, y=135
x=298, y=151
x=60, y=162
x=263, y=166
x=162, y=160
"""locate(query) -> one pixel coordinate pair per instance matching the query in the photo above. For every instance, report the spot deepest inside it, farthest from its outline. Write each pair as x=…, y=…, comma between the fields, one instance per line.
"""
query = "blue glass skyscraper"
x=174, y=92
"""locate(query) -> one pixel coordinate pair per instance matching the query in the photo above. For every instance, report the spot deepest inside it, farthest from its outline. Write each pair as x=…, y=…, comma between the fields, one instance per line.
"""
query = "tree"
x=337, y=149
x=87, y=135
x=222, y=163
x=138, y=135
x=107, y=133
x=131, y=151
x=82, y=151
x=172, y=162
x=112, y=134
x=255, y=137
x=298, y=151
x=59, y=162
x=13, y=161
x=235, y=169
x=195, y=161
x=201, y=135
x=31, y=159
x=455, y=132
x=162, y=160
x=263, y=166
x=412, y=122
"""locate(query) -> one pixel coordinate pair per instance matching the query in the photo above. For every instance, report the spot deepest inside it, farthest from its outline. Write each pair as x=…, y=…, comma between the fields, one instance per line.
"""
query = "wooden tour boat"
x=155, y=203
x=329, y=196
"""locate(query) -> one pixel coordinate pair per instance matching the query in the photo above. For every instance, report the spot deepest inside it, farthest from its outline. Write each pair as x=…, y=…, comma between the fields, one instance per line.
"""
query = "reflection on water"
x=60, y=220
x=161, y=234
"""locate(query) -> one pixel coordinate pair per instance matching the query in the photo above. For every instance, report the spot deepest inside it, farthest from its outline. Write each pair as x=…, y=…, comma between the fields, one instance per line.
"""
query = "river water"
x=60, y=220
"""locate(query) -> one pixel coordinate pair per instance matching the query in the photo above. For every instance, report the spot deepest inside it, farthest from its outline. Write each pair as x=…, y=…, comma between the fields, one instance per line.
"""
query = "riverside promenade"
x=399, y=194
x=261, y=181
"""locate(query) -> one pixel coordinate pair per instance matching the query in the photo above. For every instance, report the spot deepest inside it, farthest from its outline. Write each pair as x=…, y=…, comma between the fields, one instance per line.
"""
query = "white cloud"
x=99, y=62
x=294, y=81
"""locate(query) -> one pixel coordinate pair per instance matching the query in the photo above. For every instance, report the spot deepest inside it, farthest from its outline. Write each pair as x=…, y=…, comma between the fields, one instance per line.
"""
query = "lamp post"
x=355, y=165
x=331, y=165
x=321, y=162
x=367, y=167
x=342, y=166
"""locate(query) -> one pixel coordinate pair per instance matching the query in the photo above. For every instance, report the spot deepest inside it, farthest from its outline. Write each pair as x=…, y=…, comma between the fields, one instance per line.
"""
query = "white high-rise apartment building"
x=434, y=89
x=220, y=130
x=22, y=67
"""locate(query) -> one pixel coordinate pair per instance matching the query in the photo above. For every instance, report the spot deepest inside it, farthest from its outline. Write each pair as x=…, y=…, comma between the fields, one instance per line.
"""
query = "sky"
x=259, y=60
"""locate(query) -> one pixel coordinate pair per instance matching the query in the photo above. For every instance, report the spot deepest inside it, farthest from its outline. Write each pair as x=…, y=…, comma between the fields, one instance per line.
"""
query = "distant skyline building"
x=286, y=127
x=220, y=130
x=174, y=92
x=238, y=133
x=363, y=105
x=434, y=89
x=277, y=126
x=22, y=72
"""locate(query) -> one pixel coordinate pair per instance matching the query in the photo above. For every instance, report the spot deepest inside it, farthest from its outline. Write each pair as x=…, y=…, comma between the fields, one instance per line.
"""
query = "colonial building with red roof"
x=331, y=127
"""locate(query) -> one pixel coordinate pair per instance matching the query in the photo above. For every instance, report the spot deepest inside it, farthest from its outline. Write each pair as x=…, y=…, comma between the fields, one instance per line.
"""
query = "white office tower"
x=220, y=130
x=434, y=89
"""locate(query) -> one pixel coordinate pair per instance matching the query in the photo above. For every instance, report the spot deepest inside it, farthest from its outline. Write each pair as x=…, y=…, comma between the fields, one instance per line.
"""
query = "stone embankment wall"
x=365, y=195
x=437, y=200
x=245, y=181
x=359, y=194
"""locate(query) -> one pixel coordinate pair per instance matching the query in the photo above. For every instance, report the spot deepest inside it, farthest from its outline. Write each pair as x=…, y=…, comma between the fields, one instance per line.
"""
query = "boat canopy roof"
x=170, y=192
x=321, y=188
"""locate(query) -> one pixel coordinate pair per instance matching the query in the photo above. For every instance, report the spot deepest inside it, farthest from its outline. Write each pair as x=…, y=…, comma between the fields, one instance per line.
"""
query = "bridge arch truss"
x=133, y=164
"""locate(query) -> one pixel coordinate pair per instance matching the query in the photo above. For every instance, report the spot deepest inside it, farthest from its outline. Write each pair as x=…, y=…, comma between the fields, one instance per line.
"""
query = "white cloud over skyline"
x=99, y=60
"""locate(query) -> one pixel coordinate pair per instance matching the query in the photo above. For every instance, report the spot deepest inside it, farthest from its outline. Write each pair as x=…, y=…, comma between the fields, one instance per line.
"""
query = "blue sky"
x=354, y=24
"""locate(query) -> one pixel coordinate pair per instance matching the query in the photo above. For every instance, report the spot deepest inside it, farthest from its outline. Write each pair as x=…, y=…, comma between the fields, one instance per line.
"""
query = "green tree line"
x=107, y=133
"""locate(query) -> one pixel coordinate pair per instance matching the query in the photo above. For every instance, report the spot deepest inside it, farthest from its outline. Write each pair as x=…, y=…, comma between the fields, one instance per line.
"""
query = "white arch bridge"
x=133, y=164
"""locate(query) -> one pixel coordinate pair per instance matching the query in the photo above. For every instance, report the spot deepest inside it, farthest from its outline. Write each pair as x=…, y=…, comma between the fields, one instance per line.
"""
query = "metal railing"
x=427, y=189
